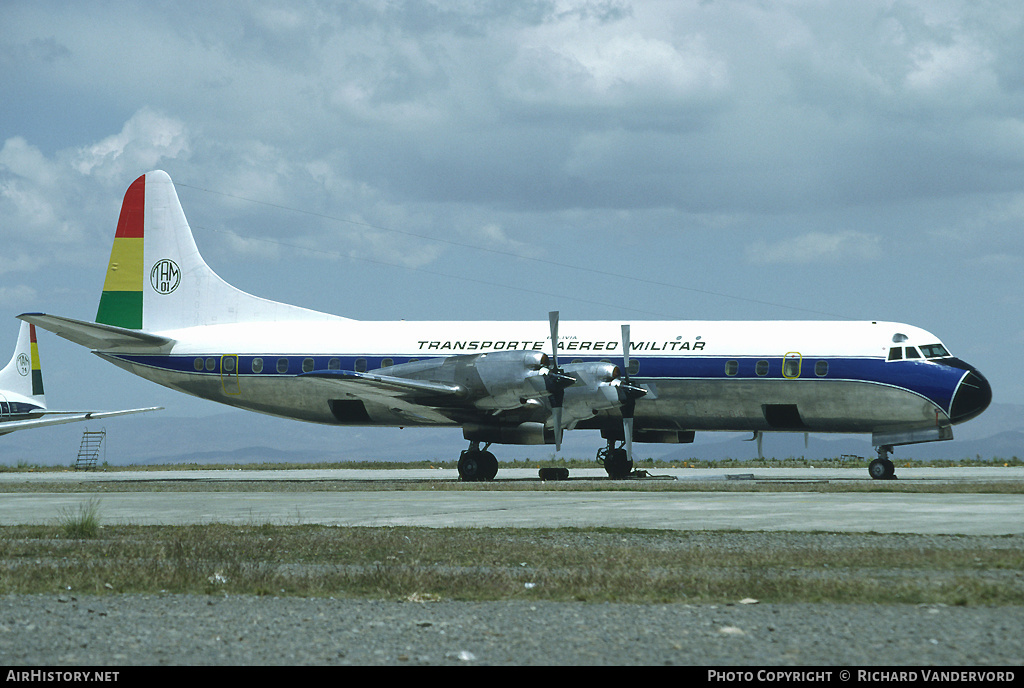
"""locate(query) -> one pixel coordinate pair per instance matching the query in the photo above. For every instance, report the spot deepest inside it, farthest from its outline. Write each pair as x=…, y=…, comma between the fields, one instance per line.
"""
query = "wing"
x=389, y=385
x=67, y=417
x=416, y=400
x=500, y=387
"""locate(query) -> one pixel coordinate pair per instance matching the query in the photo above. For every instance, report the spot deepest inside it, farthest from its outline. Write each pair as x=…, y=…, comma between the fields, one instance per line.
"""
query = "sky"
x=612, y=160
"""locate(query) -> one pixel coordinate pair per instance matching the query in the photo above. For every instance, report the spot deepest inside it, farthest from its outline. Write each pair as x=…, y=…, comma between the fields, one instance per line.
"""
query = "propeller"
x=629, y=404
x=556, y=381
x=758, y=435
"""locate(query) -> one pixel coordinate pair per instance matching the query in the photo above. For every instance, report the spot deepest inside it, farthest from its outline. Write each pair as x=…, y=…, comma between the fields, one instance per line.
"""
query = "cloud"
x=147, y=139
x=50, y=199
x=574, y=68
x=17, y=296
x=33, y=195
x=815, y=247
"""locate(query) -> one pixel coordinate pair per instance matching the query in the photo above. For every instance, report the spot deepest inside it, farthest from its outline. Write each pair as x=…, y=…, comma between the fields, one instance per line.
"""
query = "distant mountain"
x=234, y=436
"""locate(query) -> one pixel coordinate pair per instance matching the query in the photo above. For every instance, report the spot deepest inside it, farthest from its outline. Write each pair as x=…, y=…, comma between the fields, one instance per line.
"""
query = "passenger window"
x=198, y=364
x=307, y=365
x=229, y=364
x=282, y=365
x=896, y=353
x=912, y=352
x=257, y=365
x=821, y=368
x=732, y=368
x=387, y=363
x=211, y=364
x=634, y=366
x=791, y=366
x=334, y=364
x=761, y=368
x=360, y=365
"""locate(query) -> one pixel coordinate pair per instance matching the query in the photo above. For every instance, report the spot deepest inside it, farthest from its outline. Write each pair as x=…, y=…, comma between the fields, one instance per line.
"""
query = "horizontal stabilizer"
x=95, y=335
x=386, y=382
x=11, y=426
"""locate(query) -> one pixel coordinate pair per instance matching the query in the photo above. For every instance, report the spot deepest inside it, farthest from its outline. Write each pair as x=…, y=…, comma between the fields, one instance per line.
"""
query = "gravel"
x=130, y=630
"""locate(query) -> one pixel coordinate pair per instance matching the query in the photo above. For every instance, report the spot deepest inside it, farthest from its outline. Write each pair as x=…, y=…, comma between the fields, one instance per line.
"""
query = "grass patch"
x=81, y=522
x=503, y=564
x=543, y=461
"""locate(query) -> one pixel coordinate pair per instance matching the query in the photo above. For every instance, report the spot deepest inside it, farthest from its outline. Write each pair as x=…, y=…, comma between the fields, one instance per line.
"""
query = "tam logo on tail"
x=165, y=276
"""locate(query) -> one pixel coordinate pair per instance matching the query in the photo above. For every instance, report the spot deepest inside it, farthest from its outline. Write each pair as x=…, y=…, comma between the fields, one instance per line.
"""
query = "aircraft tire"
x=617, y=464
x=469, y=466
x=882, y=469
x=477, y=466
x=490, y=465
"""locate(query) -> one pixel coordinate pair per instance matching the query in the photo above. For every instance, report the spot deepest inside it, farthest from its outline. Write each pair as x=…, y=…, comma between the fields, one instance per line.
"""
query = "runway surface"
x=883, y=512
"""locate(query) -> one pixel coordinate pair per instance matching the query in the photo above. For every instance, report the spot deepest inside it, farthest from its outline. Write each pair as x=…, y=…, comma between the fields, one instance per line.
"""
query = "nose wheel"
x=615, y=460
x=882, y=468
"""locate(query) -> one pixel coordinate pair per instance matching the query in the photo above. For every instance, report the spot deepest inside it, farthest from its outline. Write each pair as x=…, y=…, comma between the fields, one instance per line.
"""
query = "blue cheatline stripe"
x=19, y=408
x=932, y=380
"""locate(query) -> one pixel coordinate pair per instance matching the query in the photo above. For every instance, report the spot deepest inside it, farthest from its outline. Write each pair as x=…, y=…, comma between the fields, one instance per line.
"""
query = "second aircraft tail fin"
x=23, y=376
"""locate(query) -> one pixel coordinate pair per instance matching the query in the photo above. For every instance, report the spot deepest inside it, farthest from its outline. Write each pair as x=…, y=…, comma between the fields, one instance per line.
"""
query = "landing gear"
x=882, y=468
x=615, y=461
x=476, y=465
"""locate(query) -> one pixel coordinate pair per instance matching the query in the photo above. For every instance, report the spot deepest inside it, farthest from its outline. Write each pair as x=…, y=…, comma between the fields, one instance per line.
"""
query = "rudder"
x=121, y=301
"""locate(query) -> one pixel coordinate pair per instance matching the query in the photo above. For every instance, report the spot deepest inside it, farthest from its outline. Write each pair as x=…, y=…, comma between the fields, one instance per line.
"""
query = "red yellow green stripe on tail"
x=37, y=371
x=121, y=302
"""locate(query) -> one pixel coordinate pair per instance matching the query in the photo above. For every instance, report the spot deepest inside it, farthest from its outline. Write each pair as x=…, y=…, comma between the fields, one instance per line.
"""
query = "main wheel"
x=882, y=469
x=617, y=464
x=476, y=466
x=488, y=465
x=469, y=466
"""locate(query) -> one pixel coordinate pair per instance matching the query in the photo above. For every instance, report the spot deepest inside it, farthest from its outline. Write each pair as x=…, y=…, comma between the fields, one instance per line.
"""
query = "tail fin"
x=23, y=376
x=156, y=279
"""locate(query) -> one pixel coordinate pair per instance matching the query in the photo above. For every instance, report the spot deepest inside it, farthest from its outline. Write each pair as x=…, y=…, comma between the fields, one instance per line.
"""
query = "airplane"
x=166, y=316
x=22, y=401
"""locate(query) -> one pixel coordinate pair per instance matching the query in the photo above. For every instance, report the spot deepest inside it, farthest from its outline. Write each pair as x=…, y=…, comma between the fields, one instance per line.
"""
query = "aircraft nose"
x=972, y=397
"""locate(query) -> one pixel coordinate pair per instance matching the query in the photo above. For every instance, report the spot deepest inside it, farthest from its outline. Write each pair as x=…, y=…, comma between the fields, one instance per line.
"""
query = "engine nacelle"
x=505, y=379
x=596, y=389
x=524, y=433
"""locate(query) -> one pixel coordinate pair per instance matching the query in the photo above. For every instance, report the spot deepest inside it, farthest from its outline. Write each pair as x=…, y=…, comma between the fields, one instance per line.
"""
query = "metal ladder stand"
x=89, y=451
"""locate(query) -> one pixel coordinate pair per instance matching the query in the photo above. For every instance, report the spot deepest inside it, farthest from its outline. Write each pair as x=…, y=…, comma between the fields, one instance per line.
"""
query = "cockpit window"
x=934, y=351
x=912, y=352
x=896, y=353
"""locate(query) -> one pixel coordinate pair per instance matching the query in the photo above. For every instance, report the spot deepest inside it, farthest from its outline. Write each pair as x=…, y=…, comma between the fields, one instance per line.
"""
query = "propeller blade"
x=627, y=428
x=557, y=414
x=553, y=322
x=629, y=405
x=558, y=388
x=625, y=351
